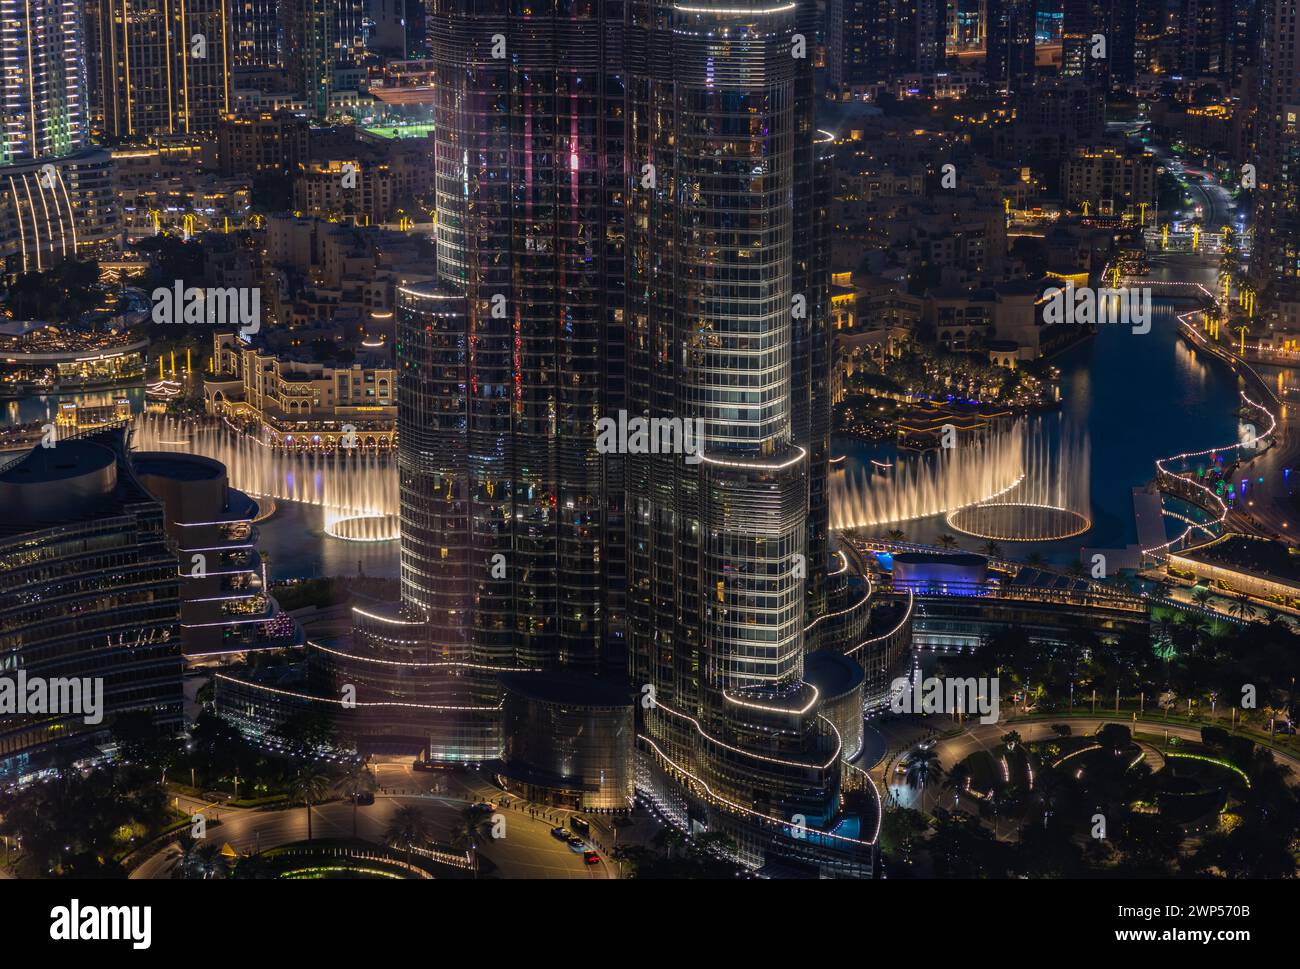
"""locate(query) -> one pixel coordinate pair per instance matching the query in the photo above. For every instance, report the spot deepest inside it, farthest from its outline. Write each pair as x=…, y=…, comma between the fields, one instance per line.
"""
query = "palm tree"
x=1241, y=608
x=896, y=535
x=198, y=858
x=1191, y=628
x=356, y=780
x=669, y=840
x=475, y=822
x=957, y=779
x=1036, y=560
x=1201, y=595
x=253, y=867
x=410, y=825
x=310, y=786
x=1011, y=739
x=992, y=549
x=920, y=766
x=948, y=541
x=1164, y=632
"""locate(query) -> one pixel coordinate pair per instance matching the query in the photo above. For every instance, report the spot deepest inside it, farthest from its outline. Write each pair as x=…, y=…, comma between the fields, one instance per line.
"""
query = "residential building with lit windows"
x=43, y=85
x=1112, y=181
x=56, y=192
x=318, y=38
x=88, y=588
x=1010, y=43
x=164, y=67
x=262, y=142
x=57, y=209
x=869, y=41
x=1277, y=146
x=256, y=33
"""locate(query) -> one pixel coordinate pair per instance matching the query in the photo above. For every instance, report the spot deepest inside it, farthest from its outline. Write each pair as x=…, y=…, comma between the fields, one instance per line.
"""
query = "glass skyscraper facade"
x=529, y=187
x=727, y=313
x=506, y=364
x=632, y=217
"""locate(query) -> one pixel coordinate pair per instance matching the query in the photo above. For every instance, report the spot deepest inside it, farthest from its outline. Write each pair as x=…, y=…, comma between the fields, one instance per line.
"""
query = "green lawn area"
x=401, y=131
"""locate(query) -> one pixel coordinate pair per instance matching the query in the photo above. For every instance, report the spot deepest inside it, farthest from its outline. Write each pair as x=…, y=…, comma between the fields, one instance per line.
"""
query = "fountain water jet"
x=357, y=487
x=1052, y=501
x=976, y=470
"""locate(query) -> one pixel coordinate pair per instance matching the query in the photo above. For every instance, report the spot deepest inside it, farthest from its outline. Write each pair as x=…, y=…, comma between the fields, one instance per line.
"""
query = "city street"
x=527, y=851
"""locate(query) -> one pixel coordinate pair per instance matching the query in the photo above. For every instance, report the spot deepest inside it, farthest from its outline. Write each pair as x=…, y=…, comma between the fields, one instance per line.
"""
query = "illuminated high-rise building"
x=89, y=592
x=1097, y=41
x=529, y=186
x=43, y=84
x=319, y=37
x=1244, y=19
x=55, y=189
x=164, y=67
x=510, y=557
x=869, y=41
x=857, y=48
x=1151, y=23
x=726, y=326
x=256, y=37
x=1203, y=33
x=1276, y=152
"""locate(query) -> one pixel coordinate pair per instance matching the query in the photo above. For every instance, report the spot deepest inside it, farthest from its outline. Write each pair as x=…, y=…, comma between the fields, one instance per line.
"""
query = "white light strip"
x=740, y=807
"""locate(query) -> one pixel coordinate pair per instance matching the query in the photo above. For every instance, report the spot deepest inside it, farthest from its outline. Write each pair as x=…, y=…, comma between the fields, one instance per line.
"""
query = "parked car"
x=577, y=844
x=564, y=834
x=591, y=857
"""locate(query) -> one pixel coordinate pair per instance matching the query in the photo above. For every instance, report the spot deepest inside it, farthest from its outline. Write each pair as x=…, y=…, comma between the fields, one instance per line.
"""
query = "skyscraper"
x=1277, y=147
x=507, y=363
x=319, y=36
x=43, y=85
x=858, y=48
x=921, y=35
x=1204, y=37
x=1150, y=24
x=164, y=67
x=55, y=190
x=1097, y=41
x=256, y=38
x=1009, y=43
x=869, y=41
x=529, y=180
x=725, y=319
